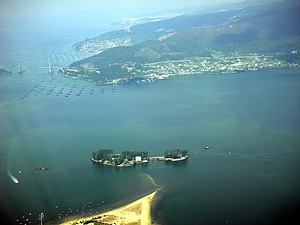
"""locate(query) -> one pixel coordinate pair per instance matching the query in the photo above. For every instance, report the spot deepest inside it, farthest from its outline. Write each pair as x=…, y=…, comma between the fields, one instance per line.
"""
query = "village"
x=94, y=46
x=217, y=64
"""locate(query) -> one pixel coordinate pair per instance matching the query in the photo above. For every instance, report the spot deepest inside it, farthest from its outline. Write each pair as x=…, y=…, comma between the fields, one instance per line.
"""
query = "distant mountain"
x=264, y=29
x=218, y=16
x=238, y=5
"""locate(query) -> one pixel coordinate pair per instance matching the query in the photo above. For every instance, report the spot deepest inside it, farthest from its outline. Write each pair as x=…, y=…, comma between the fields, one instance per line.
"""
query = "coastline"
x=136, y=212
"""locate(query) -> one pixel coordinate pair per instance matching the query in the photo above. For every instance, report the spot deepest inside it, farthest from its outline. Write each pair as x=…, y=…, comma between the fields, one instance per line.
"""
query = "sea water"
x=250, y=121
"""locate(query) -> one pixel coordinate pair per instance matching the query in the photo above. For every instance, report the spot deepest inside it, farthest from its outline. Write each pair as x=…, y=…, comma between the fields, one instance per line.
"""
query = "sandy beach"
x=135, y=213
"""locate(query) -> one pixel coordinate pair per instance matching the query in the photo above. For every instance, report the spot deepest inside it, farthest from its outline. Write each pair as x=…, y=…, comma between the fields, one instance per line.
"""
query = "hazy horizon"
x=68, y=15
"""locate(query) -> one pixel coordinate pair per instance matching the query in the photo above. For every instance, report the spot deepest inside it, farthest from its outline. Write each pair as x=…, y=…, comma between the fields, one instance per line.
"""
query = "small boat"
x=42, y=169
x=207, y=147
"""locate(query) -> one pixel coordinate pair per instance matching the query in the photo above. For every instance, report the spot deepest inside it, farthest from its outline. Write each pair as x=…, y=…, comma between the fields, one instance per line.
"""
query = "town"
x=218, y=63
x=95, y=46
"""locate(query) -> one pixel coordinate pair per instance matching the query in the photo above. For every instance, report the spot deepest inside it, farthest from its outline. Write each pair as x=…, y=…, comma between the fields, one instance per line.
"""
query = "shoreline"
x=136, y=212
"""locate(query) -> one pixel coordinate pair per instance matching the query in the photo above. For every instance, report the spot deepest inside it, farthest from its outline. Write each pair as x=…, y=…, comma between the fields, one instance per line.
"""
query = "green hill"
x=261, y=30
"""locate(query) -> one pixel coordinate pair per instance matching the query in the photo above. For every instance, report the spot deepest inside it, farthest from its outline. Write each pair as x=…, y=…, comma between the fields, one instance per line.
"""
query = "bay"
x=250, y=120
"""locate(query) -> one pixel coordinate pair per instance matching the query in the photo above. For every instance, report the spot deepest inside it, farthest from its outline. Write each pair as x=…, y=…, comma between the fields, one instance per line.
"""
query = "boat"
x=42, y=169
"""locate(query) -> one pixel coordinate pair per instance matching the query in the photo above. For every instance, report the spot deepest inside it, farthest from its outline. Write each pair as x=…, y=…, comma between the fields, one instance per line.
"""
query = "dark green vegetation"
x=102, y=154
x=126, y=158
x=176, y=153
x=271, y=29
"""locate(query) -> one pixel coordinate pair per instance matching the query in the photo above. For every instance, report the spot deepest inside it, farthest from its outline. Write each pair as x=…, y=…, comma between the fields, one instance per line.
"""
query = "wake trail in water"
x=14, y=179
x=21, y=126
x=152, y=180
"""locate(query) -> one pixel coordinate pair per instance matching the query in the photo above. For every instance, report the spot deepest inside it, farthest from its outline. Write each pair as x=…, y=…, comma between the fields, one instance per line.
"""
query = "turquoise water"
x=250, y=120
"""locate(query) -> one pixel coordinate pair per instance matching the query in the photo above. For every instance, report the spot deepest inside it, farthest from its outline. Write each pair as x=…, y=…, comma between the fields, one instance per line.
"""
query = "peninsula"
x=221, y=42
x=137, y=212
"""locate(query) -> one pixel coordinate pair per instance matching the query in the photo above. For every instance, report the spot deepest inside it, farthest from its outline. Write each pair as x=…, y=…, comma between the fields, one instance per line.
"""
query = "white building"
x=138, y=159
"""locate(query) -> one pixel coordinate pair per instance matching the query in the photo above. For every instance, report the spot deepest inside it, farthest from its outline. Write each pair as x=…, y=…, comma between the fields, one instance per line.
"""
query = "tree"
x=175, y=154
x=102, y=154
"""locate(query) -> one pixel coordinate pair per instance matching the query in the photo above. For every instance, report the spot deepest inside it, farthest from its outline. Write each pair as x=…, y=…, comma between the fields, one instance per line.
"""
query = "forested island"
x=132, y=158
x=176, y=155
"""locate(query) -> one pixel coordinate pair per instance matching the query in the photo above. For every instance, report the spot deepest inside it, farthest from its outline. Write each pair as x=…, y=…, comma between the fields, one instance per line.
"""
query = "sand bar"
x=135, y=213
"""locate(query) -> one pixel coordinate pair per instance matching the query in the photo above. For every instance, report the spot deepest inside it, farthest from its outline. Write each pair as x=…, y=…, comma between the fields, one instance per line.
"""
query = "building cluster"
x=200, y=65
x=149, y=72
x=96, y=46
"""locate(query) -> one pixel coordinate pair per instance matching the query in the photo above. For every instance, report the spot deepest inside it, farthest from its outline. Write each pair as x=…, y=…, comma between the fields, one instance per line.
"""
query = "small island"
x=176, y=155
x=125, y=159
x=4, y=70
x=132, y=158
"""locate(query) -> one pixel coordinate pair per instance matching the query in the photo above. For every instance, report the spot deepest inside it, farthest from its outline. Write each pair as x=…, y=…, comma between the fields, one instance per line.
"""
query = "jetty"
x=157, y=158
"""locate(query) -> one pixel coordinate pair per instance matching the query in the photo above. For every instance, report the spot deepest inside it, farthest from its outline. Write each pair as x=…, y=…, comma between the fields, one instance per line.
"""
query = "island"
x=176, y=155
x=125, y=159
x=107, y=157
